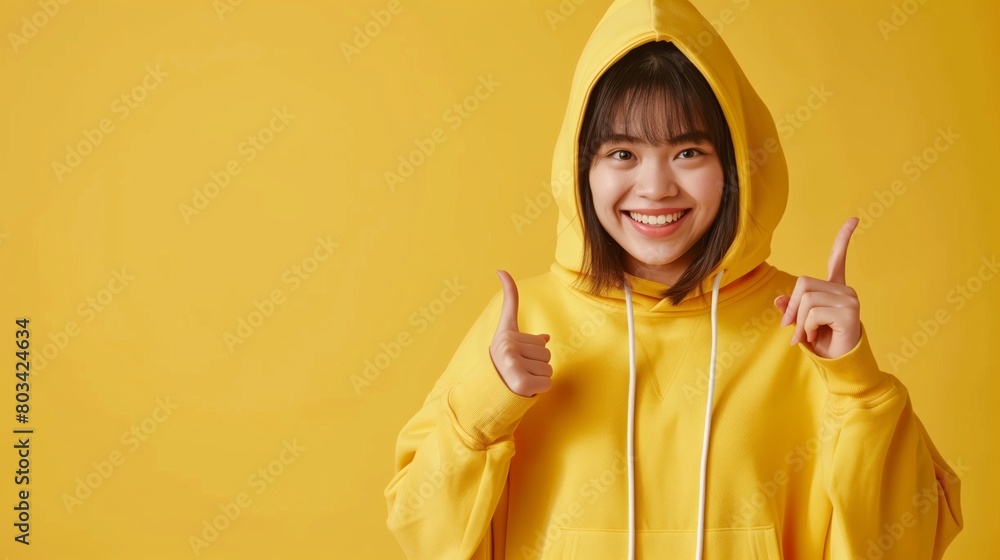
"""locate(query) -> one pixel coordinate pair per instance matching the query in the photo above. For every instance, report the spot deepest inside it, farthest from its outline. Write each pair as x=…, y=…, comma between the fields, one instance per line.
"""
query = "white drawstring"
x=630, y=435
x=631, y=425
x=708, y=421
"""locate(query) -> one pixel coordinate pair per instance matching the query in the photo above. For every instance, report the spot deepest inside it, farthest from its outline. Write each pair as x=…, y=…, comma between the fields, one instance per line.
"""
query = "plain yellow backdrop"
x=234, y=309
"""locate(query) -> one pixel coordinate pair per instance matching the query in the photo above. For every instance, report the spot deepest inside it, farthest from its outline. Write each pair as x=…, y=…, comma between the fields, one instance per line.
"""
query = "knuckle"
x=505, y=345
x=811, y=316
x=797, y=285
x=802, y=286
x=811, y=283
x=517, y=385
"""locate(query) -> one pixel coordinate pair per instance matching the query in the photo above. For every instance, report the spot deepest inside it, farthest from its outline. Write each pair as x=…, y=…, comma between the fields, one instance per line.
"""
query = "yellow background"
x=161, y=338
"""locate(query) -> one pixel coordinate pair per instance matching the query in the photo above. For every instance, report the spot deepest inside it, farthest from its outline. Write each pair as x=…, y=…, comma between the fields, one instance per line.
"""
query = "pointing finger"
x=838, y=256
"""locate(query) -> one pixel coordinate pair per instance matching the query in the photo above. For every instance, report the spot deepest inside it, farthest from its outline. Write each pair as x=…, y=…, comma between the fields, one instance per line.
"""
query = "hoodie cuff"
x=855, y=376
x=484, y=407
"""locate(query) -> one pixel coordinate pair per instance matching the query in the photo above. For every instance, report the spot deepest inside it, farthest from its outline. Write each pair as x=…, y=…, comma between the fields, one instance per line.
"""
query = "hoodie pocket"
x=739, y=543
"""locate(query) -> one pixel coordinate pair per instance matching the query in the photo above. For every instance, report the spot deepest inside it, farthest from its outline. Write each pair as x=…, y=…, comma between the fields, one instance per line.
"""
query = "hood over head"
x=763, y=179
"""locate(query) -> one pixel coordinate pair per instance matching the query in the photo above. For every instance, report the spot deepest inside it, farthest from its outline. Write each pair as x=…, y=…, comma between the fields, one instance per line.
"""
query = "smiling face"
x=658, y=185
x=657, y=201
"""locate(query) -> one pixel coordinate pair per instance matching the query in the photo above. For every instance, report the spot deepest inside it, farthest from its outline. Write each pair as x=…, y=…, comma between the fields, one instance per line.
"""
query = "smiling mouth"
x=661, y=220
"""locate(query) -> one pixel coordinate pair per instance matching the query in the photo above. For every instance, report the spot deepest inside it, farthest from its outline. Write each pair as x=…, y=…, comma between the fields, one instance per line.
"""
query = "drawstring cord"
x=630, y=432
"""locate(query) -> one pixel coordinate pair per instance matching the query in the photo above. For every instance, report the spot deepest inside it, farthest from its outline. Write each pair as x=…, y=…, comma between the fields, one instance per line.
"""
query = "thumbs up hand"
x=521, y=359
x=827, y=314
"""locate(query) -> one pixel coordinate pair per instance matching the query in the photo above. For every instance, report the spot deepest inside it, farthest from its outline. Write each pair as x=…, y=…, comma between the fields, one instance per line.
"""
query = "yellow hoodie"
x=806, y=457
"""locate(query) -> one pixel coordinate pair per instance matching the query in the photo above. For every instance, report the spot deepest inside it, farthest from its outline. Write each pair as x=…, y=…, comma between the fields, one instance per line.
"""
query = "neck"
x=667, y=274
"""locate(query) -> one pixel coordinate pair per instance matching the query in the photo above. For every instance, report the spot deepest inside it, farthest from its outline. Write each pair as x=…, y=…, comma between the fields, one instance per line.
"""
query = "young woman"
x=682, y=397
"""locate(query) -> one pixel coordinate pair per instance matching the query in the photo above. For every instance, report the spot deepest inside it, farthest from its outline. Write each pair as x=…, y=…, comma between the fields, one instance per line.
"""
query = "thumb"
x=508, y=314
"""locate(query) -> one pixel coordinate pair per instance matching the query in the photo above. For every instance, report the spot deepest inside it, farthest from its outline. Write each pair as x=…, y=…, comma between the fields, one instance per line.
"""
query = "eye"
x=692, y=152
x=627, y=154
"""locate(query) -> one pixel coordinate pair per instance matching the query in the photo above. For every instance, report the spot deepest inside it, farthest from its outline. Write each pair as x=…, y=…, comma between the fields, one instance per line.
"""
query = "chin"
x=655, y=260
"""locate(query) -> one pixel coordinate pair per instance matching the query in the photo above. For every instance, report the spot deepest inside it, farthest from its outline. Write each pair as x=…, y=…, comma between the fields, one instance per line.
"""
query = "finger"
x=802, y=285
x=508, y=313
x=809, y=284
x=539, y=353
x=838, y=256
x=833, y=317
x=811, y=301
x=537, y=384
x=781, y=302
x=541, y=369
x=526, y=338
x=529, y=385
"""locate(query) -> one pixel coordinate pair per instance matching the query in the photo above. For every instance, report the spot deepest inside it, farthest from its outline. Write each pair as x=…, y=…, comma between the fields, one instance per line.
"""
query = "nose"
x=655, y=180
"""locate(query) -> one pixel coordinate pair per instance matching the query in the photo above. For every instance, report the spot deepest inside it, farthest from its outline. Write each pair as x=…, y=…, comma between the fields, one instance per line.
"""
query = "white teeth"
x=657, y=220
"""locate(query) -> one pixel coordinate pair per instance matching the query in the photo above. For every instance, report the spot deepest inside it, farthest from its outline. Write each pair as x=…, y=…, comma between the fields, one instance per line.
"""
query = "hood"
x=763, y=180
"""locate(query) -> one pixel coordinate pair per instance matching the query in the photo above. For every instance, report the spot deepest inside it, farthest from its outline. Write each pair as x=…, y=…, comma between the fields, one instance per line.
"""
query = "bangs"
x=653, y=115
x=654, y=102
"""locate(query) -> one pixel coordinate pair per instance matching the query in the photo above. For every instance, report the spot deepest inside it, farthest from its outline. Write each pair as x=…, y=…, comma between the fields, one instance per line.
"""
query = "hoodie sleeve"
x=893, y=495
x=453, y=455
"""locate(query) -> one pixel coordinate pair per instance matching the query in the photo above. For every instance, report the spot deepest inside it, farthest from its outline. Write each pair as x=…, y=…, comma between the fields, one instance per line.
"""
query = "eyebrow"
x=694, y=136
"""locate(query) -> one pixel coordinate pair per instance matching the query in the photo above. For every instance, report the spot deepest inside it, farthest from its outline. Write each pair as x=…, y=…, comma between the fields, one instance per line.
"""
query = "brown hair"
x=655, y=86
